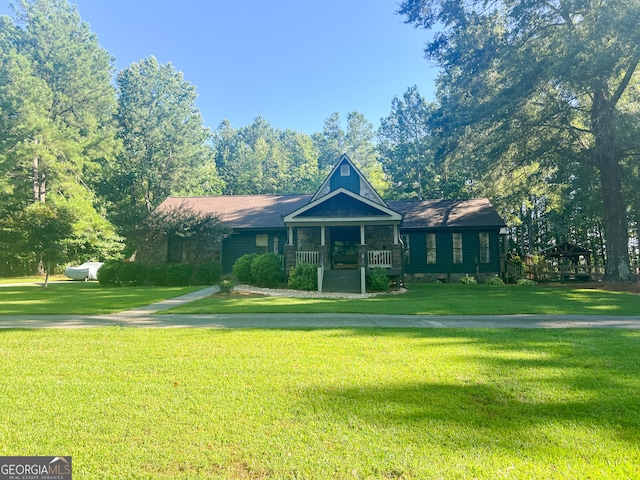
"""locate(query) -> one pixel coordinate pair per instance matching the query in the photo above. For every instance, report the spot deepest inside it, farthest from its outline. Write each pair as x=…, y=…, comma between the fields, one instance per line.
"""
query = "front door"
x=344, y=247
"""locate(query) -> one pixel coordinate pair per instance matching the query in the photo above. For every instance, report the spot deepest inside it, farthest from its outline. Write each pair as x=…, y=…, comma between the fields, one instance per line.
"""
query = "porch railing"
x=380, y=259
x=306, y=257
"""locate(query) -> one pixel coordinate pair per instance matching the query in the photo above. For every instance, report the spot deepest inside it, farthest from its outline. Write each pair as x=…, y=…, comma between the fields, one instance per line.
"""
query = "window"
x=345, y=171
x=262, y=243
x=175, y=248
x=431, y=248
x=484, y=247
x=457, y=248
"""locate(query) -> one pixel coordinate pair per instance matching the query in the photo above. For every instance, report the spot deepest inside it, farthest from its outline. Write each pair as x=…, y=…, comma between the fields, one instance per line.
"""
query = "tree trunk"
x=46, y=278
x=607, y=156
x=615, y=223
x=39, y=182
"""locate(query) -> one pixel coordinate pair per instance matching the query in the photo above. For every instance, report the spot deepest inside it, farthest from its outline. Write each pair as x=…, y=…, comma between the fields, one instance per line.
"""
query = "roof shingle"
x=267, y=211
x=475, y=212
x=243, y=211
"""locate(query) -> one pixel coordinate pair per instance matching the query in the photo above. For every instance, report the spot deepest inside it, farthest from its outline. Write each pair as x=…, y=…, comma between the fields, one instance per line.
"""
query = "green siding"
x=351, y=182
x=242, y=243
x=444, y=247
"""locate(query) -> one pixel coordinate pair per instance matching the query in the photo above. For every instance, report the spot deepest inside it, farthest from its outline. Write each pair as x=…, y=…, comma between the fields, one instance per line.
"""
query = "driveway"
x=144, y=317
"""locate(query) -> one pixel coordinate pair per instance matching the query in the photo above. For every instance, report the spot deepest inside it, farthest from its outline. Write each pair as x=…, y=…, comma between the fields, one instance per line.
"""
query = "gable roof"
x=565, y=249
x=243, y=211
x=364, y=188
x=475, y=212
x=366, y=208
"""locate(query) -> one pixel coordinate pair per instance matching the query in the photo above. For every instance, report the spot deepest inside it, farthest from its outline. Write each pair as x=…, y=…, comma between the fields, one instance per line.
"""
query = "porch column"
x=323, y=258
x=290, y=235
x=362, y=261
x=362, y=239
x=323, y=235
x=290, y=258
x=396, y=235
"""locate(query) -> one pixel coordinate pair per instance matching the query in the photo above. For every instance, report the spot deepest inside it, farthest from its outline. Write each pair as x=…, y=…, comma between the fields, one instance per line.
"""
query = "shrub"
x=377, y=280
x=132, y=273
x=304, y=276
x=227, y=285
x=517, y=260
x=157, y=274
x=526, y=282
x=109, y=273
x=266, y=270
x=208, y=273
x=242, y=268
x=179, y=274
x=493, y=281
x=467, y=280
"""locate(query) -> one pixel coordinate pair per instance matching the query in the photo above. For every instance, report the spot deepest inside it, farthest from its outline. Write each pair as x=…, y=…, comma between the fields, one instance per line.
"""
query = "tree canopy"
x=537, y=108
x=541, y=81
x=165, y=143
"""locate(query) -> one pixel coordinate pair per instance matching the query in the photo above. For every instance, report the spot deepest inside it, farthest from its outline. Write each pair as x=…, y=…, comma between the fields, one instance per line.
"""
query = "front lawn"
x=345, y=404
x=88, y=298
x=437, y=299
x=33, y=279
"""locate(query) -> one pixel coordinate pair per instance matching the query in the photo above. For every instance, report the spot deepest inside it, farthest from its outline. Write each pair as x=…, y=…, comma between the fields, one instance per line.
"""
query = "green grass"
x=437, y=299
x=80, y=298
x=33, y=279
x=370, y=403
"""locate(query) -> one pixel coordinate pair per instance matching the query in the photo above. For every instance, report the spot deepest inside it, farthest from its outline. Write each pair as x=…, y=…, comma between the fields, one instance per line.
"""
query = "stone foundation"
x=445, y=277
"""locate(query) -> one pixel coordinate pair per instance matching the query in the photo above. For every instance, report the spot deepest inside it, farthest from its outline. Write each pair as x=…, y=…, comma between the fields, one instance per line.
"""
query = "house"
x=346, y=228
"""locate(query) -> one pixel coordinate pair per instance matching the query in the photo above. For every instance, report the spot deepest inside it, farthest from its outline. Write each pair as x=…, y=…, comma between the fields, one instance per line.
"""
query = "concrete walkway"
x=144, y=317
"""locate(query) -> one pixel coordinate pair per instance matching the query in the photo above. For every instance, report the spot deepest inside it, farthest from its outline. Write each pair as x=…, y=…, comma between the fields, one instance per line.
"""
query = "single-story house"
x=346, y=228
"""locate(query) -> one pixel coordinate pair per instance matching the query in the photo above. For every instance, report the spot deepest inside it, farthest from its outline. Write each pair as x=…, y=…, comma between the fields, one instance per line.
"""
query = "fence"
x=565, y=273
x=513, y=271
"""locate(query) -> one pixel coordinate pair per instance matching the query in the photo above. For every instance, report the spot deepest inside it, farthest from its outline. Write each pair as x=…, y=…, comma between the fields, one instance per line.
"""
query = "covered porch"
x=342, y=248
x=346, y=228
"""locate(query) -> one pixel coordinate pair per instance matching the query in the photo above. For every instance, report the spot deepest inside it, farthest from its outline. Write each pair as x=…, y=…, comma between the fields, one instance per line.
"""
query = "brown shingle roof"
x=267, y=211
x=244, y=211
x=476, y=212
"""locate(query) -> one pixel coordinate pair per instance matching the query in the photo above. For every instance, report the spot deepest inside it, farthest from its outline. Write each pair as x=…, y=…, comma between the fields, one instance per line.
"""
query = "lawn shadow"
x=524, y=381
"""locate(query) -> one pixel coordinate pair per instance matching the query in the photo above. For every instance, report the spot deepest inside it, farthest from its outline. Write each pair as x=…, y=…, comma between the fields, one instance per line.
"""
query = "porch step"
x=347, y=281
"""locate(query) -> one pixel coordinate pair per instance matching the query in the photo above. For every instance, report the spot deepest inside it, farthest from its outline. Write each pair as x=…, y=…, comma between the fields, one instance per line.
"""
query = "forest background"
x=538, y=109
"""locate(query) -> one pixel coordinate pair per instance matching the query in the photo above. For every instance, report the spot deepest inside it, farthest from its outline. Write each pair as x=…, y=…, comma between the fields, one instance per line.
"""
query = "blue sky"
x=293, y=62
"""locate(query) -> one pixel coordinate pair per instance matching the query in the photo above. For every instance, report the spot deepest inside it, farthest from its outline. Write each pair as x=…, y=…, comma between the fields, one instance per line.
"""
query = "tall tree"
x=559, y=69
x=165, y=142
x=56, y=120
x=304, y=175
x=59, y=99
x=357, y=141
x=331, y=142
x=406, y=147
x=361, y=148
x=260, y=159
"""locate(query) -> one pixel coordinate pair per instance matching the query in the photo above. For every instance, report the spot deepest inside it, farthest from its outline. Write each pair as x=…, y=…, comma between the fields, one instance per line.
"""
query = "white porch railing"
x=380, y=259
x=306, y=257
